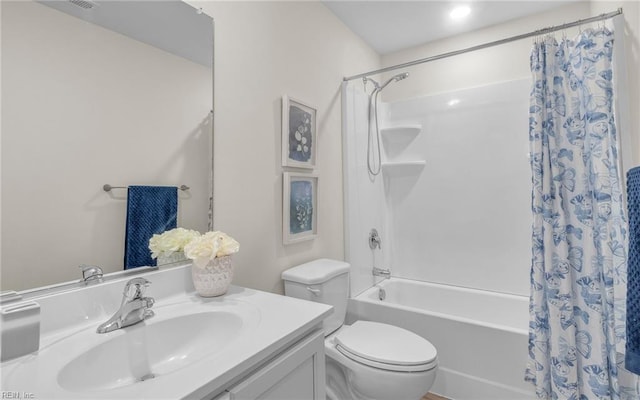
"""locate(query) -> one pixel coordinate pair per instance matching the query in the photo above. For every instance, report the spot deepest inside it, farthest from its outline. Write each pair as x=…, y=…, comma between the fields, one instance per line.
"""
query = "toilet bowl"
x=378, y=361
x=364, y=360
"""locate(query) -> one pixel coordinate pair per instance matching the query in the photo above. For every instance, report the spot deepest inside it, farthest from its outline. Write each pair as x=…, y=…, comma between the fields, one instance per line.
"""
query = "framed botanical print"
x=299, y=207
x=299, y=139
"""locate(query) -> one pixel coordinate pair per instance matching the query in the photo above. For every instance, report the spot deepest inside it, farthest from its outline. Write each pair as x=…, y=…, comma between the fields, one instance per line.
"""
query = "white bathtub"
x=481, y=336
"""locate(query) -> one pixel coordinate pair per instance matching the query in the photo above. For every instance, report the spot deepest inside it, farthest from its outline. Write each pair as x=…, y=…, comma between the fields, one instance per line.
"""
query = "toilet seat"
x=386, y=347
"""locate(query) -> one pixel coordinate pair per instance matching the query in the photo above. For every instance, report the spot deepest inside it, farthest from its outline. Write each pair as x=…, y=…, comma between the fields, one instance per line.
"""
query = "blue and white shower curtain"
x=578, y=274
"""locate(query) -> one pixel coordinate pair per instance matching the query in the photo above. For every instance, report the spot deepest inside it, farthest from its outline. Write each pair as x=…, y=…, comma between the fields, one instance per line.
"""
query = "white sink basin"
x=149, y=350
x=185, y=333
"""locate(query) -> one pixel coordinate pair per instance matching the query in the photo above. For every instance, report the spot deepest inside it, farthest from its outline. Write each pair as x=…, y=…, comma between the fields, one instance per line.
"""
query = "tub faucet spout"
x=133, y=309
x=386, y=273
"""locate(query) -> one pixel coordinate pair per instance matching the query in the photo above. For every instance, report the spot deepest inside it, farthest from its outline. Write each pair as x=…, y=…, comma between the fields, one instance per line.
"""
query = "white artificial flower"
x=209, y=246
x=228, y=245
x=171, y=241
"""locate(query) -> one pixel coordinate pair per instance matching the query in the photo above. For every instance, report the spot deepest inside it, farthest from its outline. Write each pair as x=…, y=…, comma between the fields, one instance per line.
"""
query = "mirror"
x=94, y=93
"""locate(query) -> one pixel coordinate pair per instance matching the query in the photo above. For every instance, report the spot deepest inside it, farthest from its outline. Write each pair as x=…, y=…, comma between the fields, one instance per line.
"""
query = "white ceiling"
x=389, y=26
x=170, y=25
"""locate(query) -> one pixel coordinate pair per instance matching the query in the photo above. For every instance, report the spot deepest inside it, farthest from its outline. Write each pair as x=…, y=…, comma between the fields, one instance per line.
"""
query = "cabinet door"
x=297, y=374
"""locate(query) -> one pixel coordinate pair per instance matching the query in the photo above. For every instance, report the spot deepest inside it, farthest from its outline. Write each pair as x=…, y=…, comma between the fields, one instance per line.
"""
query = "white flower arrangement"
x=172, y=241
x=201, y=248
x=207, y=247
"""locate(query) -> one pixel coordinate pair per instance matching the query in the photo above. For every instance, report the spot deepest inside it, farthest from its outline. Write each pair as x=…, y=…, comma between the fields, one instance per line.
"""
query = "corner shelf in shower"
x=403, y=168
x=401, y=133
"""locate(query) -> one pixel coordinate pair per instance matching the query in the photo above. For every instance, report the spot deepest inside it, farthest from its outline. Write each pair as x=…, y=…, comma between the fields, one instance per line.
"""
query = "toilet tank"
x=324, y=281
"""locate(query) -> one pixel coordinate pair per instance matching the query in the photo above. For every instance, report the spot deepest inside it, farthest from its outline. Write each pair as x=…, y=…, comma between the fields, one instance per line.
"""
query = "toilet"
x=365, y=360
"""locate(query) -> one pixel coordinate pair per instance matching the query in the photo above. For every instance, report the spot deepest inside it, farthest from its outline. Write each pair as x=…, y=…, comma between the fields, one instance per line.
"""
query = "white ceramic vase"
x=214, y=279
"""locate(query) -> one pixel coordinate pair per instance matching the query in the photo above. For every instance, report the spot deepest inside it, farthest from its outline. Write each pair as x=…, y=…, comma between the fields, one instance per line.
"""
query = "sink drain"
x=147, y=377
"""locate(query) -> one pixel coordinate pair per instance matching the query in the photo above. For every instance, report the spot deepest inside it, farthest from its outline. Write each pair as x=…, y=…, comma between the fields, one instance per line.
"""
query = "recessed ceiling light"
x=460, y=12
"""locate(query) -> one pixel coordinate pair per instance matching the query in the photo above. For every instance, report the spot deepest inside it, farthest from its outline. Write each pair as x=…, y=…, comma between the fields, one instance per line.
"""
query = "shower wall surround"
x=453, y=201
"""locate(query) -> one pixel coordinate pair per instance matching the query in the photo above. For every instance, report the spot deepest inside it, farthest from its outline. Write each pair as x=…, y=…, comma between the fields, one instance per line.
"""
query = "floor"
x=431, y=396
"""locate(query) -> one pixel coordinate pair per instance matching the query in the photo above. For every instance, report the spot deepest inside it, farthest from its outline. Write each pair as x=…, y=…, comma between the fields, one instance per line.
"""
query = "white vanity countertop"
x=270, y=323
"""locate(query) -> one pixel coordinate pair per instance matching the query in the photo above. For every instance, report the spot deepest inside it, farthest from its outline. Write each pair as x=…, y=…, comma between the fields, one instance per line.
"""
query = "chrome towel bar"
x=107, y=187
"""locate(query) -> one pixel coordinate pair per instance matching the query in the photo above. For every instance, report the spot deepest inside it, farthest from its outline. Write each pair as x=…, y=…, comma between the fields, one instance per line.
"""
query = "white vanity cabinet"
x=297, y=373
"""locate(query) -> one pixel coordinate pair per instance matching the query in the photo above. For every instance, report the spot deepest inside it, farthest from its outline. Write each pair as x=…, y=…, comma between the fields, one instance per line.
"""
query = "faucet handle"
x=374, y=239
x=91, y=273
x=134, y=289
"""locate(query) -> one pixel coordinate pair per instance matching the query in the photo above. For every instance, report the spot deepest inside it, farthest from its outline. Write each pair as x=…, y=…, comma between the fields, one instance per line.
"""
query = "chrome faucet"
x=90, y=273
x=386, y=273
x=133, y=309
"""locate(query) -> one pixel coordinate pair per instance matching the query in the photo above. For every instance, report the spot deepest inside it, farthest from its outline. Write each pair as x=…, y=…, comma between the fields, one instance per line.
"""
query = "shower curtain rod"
x=490, y=44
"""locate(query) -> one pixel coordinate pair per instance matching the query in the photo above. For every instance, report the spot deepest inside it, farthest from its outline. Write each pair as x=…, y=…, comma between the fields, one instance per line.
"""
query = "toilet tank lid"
x=316, y=271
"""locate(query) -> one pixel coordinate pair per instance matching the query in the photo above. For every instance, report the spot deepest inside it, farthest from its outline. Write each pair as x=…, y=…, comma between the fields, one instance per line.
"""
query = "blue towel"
x=632, y=358
x=150, y=209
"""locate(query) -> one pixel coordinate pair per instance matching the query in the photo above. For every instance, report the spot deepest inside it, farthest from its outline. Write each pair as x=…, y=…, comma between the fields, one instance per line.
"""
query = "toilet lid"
x=386, y=346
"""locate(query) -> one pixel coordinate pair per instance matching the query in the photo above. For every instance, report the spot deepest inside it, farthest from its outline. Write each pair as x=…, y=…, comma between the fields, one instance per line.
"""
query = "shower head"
x=395, y=78
x=401, y=76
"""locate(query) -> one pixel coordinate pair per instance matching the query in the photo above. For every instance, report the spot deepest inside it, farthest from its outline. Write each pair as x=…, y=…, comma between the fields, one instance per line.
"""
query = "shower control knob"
x=374, y=240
